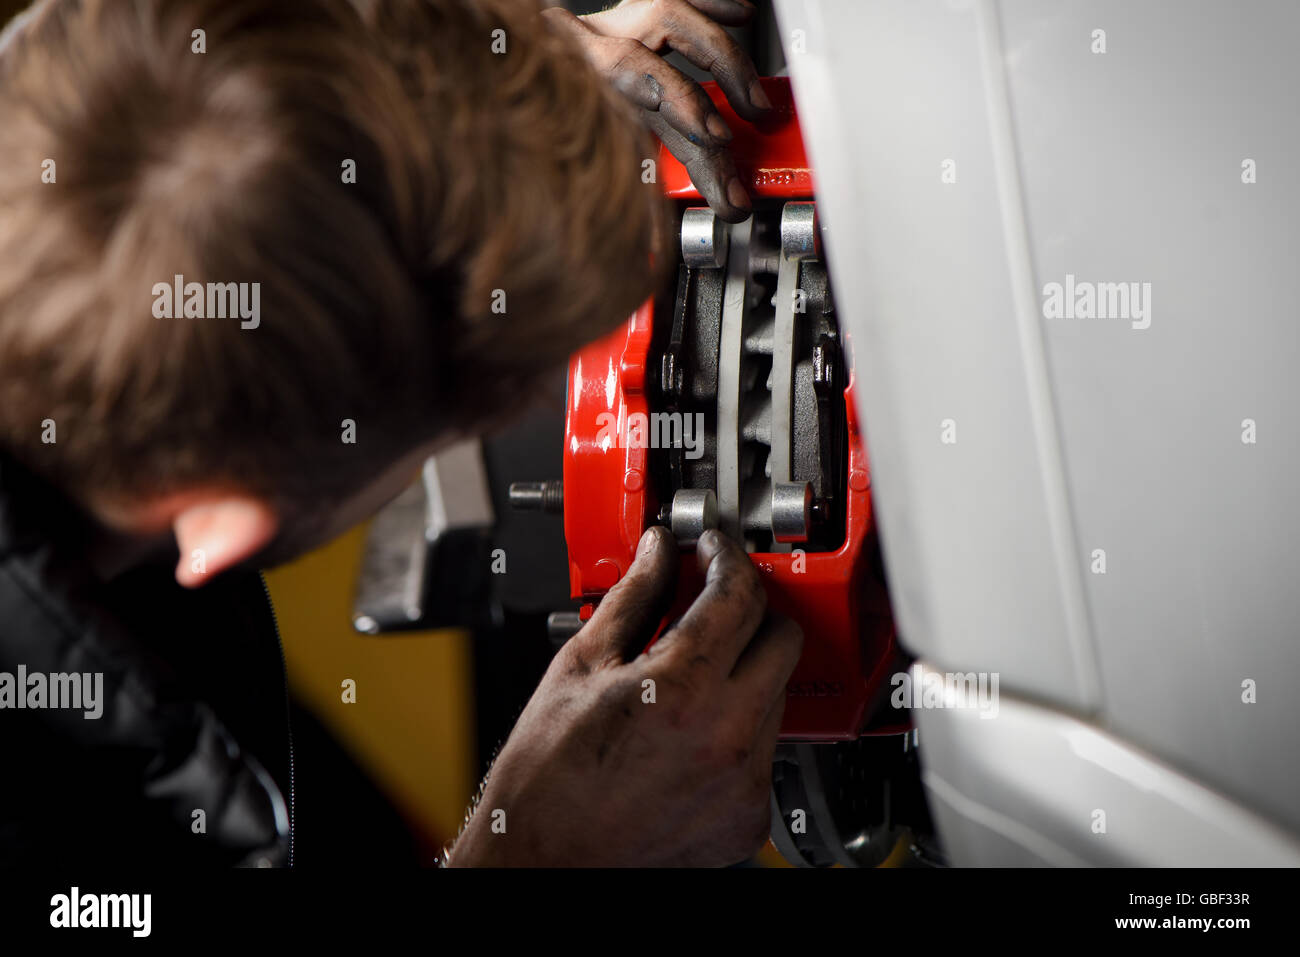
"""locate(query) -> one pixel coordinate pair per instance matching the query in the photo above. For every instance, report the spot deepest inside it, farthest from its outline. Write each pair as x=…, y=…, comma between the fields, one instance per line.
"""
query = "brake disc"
x=854, y=804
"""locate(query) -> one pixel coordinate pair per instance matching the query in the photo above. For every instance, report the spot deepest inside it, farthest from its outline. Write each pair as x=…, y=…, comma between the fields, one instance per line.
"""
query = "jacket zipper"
x=288, y=722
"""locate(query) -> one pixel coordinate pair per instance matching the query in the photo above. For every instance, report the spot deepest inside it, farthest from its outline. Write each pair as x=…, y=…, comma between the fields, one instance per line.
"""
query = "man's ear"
x=218, y=533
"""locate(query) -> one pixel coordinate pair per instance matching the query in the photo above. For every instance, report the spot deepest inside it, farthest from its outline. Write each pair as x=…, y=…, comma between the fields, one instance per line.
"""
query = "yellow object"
x=412, y=725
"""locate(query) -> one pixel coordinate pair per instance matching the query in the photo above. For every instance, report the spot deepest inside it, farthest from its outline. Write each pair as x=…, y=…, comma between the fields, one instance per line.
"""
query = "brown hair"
x=476, y=170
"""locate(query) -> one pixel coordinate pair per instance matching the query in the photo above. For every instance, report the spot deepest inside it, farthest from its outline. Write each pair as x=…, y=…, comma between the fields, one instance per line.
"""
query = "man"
x=257, y=261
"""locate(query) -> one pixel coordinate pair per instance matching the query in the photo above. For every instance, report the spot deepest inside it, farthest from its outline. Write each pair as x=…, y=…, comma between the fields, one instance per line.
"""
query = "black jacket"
x=195, y=712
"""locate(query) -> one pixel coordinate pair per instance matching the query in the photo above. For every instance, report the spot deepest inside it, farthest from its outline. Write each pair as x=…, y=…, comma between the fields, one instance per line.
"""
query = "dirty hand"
x=625, y=44
x=654, y=758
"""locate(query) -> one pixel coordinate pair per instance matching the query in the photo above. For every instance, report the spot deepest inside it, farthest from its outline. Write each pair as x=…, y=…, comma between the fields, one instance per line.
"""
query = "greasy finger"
x=713, y=171
x=627, y=616
x=721, y=621
x=708, y=46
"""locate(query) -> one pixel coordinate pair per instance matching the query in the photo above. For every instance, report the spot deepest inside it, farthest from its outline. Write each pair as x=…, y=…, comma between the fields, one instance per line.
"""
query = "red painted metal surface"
x=606, y=490
x=849, y=643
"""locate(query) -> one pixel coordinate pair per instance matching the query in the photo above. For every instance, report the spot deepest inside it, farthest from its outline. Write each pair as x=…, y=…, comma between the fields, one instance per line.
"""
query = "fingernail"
x=647, y=541
x=718, y=128
x=710, y=541
x=758, y=96
x=736, y=194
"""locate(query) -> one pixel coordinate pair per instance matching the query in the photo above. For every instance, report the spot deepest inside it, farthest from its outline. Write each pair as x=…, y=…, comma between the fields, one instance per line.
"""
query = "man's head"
x=430, y=203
